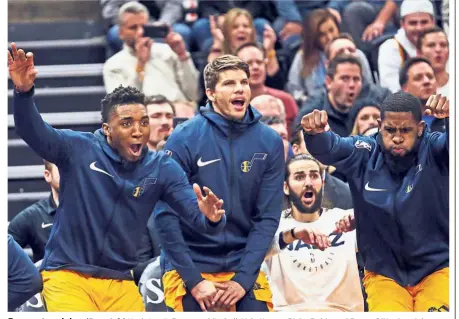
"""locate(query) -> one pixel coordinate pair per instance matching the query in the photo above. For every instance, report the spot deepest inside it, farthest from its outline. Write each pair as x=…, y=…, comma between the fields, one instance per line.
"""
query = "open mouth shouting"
x=308, y=198
x=238, y=104
x=135, y=150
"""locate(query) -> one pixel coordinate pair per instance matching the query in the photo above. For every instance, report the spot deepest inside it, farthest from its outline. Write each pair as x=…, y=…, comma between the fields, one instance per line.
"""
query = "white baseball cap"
x=416, y=6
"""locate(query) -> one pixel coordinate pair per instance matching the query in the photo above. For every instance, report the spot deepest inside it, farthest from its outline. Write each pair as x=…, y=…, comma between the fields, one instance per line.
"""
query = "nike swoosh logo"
x=94, y=168
x=43, y=225
x=201, y=163
x=368, y=188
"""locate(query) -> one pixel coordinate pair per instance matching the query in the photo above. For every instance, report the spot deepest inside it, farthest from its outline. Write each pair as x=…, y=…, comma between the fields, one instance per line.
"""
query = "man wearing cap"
x=416, y=17
x=399, y=180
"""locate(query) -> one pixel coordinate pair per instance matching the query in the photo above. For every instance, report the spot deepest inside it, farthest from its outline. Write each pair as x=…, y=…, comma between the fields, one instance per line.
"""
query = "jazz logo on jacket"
x=139, y=189
x=362, y=144
x=246, y=166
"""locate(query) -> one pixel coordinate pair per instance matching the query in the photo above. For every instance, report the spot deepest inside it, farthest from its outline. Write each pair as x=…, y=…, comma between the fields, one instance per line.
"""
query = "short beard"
x=295, y=200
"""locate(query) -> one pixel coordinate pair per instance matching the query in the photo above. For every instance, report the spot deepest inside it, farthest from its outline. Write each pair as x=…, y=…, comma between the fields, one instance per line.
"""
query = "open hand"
x=289, y=29
x=373, y=31
x=345, y=224
x=437, y=106
x=312, y=236
x=336, y=14
x=215, y=30
x=210, y=205
x=21, y=68
x=229, y=296
x=315, y=122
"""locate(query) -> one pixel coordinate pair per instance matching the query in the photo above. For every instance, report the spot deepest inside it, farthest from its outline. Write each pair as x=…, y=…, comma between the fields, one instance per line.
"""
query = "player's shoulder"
x=364, y=143
x=42, y=206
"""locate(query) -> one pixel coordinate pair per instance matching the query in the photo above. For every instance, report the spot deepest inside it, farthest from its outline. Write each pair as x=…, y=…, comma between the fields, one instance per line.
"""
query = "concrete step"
x=67, y=75
x=69, y=51
x=65, y=99
x=46, y=31
x=51, y=10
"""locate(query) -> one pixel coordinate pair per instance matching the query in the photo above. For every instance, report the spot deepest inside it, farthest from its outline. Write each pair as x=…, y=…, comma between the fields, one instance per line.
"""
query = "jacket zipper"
x=397, y=219
x=230, y=181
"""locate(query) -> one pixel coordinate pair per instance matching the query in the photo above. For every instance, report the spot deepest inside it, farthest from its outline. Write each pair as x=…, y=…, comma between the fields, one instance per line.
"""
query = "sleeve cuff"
x=192, y=280
x=245, y=281
x=215, y=227
x=28, y=93
x=282, y=243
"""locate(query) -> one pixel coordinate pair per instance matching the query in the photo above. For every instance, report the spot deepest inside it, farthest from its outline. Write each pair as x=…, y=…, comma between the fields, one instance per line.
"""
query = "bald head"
x=269, y=105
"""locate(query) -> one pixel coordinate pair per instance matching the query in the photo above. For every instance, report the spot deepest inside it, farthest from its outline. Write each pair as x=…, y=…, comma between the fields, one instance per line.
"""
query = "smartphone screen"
x=156, y=32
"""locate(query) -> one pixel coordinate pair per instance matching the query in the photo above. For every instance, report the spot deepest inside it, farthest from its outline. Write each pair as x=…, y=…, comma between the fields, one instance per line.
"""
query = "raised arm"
x=49, y=143
x=345, y=153
x=438, y=106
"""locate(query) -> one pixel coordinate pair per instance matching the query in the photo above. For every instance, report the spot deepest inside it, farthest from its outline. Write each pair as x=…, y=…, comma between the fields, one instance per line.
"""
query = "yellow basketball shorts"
x=430, y=295
x=177, y=299
x=66, y=290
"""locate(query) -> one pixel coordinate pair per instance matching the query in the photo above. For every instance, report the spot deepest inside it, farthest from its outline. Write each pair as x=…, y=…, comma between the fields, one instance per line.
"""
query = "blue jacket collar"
x=227, y=126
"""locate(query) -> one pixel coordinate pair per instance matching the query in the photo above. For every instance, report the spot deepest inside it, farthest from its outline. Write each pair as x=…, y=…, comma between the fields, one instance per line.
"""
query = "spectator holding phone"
x=149, y=66
x=170, y=12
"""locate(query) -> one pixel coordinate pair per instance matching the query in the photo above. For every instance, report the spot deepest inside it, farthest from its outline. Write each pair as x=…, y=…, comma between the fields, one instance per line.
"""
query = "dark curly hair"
x=120, y=96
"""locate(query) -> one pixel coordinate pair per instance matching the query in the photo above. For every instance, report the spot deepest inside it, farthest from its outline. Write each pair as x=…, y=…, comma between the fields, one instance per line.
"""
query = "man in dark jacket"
x=343, y=88
x=226, y=148
x=32, y=226
x=400, y=186
x=110, y=184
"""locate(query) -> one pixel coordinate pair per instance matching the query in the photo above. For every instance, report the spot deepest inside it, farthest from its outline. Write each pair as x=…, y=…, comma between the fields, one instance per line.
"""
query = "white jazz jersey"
x=304, y=278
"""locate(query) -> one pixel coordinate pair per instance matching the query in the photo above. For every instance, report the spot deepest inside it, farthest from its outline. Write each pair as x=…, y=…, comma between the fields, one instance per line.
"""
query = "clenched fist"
x=315, y=122
x=438, y=106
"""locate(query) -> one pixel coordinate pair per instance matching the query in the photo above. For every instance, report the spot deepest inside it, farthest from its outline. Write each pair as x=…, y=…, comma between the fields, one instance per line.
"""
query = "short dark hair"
x=342, y=35
x=301, y=157
x=402, y=102
x=271, y=120
x=120, y=96
x=251, y=45
x=341, y=59
x=298, y=129
x=221, y=64
x=434, y=29
x=406, y=66
x=159, y=99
